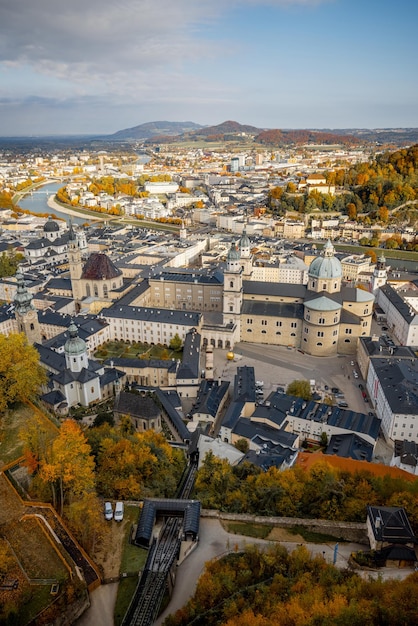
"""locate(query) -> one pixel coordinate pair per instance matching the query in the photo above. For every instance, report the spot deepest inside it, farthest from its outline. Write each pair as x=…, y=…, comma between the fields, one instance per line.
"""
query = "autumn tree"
x=69, y=466
x=300, y=389
x=20, y=372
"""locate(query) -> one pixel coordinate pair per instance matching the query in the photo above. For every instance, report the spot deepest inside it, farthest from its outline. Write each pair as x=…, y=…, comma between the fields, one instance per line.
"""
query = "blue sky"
x=98, y=67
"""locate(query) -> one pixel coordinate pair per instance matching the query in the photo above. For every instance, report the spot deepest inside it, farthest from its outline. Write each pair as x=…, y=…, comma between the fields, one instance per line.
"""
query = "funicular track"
x=164, y=551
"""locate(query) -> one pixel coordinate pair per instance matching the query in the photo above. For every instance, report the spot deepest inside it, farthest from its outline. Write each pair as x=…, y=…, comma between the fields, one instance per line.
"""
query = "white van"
x=118, y=516
x=108, y=511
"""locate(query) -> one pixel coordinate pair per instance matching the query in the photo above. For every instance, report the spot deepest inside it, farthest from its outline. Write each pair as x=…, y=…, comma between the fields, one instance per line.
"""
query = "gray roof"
x=210, y=396
x=244, y=384
x=399, y=382
x=350, y=446
x=136, y=405
x=165, y=316
x=390, y=524
x=272, y=309
x=258, y=288
x=402, y=307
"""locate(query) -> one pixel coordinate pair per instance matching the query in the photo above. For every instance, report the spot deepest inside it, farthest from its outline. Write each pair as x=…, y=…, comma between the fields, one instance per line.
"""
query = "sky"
x=96, y=67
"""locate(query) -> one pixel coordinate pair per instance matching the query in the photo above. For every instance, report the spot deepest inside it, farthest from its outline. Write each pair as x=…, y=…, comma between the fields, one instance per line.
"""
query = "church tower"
x=25, y=313
x=380, y=274
x=246, y=256
x=232, y=296
x=75, y=263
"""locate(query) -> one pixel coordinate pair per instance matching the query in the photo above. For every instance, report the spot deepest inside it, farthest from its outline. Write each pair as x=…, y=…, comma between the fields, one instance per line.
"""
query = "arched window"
x=88, y=292
x=105, y=291
x=96, y=291
x=319, y=343
x=231, y=283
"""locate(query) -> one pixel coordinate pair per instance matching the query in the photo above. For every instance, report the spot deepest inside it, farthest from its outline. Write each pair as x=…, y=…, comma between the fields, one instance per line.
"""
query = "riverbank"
x=53, y=204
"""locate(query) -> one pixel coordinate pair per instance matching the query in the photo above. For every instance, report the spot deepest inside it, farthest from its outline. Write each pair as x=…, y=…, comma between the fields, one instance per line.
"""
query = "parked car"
x=360, y=387
x=355, y=374
x=335, y=390
x=343, y=405
x=119, y=508
x=259, y=383
x=108, y=511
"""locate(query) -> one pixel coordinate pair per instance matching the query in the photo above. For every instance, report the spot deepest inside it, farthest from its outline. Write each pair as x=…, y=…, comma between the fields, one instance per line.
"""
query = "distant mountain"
x=226, y=128
x=152, y=129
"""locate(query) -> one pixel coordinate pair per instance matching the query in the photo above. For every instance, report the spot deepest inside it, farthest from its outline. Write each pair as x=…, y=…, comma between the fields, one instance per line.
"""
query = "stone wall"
x=347, y=531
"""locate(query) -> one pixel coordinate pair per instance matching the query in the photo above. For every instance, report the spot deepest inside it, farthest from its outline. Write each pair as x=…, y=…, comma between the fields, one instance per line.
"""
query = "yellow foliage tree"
x=20, y=372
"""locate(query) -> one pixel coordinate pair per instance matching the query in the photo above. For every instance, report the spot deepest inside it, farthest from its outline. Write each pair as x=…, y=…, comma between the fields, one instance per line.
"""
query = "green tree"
x=300, y=389
x=20, y=372
x=175, y=343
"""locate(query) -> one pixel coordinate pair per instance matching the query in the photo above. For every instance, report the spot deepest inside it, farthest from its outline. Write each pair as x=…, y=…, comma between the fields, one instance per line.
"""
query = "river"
x=37, y=203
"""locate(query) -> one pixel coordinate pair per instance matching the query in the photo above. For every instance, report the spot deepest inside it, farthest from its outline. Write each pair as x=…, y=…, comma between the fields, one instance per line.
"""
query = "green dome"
x=233, y=254
x=326, y=265
x=74, y=346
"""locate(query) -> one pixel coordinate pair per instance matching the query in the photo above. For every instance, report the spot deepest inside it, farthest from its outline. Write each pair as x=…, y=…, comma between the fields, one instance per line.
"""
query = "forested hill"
x=301, y=137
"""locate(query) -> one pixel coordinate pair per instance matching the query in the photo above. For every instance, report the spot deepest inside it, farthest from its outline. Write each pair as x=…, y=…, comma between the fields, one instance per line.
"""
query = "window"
x=249, y=321
x=278, y=323
x=293, y=325
x=263, y=322
x=306, y=330
x=324, y=286
x=346, y=341
x=263, y=332
x=334, y=333
x=319, y=343
x=231, y=308
x=249, y=330
x=348, y=331
x=293, y=334
x=231, y=283
x=320, y=333
x=96, y=291
x=278, y=332
x=321, y=320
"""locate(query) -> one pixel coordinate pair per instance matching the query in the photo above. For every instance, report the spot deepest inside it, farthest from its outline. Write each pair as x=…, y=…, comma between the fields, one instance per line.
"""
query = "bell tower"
x=232, y=296
x=75, y=263
x=380, y=274
x=25, y=313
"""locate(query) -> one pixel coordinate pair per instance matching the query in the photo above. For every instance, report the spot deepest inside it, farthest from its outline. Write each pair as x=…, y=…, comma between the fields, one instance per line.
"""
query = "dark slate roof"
x=402, y=307
x=233, y=414
x=190, y=365
x=54, y=397
x=136, y=405
x=133, y=294
x=54, y=319
x=100, y=267
x=50, y=358
x=165, y=316
x=179, y=508
x=399, y=382
x=264, y=459
x=142, y=363
x=173, y=415
x=248, y=429
x=244, y=384
x=207, y=277
x=272, y=309
x=111, y=375
x=350, y=446
x=258, y=288
x=376, y=348
x=407, y=451
x=347, y=317
x=397, y=553
x=59, y=283
x=332, y=415
x=210, y=396
x=390, y=524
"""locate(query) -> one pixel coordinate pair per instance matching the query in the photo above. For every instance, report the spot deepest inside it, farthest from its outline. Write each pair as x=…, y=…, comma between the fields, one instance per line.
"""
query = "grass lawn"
x=404, y=255
x=11, y=425
x=35, y=553
x=260, y=531
x=312, y=537
x=117, y=349
x=126, y=590
x=132, y=561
